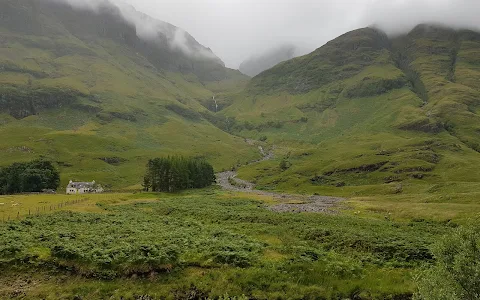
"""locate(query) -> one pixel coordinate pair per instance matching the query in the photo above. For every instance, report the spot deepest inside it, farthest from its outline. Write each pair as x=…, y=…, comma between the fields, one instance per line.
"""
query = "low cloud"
x=260, y=62
x=238, y=29
x=185, y=42
x=83, y=4
x=400, y=16
x=149, y=28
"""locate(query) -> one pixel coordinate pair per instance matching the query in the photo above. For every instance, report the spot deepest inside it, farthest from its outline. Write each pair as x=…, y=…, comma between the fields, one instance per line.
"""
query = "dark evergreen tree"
x=175, y=173
x=29, y=177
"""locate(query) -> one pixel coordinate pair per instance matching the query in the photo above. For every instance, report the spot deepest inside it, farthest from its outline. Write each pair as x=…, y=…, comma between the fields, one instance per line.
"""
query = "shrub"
x=65, y=252
x=456, y=274
x=284, y=165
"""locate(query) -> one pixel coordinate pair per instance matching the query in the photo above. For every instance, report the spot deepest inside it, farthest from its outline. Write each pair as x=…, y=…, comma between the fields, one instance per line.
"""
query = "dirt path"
x=287, y=202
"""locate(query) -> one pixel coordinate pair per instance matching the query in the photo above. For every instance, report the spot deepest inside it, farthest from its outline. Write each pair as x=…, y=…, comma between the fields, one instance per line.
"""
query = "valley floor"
x=287, y=202
x=206, y=243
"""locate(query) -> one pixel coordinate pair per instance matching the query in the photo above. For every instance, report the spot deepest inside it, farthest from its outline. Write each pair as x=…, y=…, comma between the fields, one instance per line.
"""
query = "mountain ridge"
x=366, y=109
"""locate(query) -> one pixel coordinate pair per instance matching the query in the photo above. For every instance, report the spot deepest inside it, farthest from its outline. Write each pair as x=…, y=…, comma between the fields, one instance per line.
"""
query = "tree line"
x=175, y=173
x=29, y=177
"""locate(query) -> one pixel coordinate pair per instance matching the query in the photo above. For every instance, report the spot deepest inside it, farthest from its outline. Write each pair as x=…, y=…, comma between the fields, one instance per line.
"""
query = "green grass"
x=211, y=243
x=20, y=206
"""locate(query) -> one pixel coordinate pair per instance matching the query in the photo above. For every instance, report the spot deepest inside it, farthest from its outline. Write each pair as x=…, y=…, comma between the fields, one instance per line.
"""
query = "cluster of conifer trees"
x=28, y=177
x=175, y=173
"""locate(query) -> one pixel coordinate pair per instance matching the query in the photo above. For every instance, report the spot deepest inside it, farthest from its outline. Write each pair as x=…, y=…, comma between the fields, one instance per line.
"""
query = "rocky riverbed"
x=286, y=202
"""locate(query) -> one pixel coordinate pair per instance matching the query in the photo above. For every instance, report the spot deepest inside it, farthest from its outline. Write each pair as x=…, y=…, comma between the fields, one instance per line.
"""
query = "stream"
x=286, y=202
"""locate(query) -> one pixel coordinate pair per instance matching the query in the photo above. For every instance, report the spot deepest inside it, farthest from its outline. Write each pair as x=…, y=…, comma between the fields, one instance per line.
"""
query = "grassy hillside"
x=83, y=89
x=368, y=114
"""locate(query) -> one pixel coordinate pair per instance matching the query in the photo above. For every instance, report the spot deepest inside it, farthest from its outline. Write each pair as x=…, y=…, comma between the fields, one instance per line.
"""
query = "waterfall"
x=216, y=105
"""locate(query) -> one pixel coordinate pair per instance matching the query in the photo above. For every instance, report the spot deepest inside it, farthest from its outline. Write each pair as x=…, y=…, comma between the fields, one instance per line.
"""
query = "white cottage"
x=83, y=188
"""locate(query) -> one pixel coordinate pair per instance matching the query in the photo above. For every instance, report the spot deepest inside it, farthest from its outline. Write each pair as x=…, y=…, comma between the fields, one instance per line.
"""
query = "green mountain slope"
x=369, y=110
x=85, y=89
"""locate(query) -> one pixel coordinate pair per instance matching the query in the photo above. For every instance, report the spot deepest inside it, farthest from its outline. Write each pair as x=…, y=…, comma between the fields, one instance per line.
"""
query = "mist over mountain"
x=261, y=62
x=149, y=29
x=400, y=17
x=221, y=25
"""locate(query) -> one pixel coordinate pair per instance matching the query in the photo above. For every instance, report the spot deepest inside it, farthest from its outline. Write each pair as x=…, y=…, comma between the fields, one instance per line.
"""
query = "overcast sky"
x=236, y=29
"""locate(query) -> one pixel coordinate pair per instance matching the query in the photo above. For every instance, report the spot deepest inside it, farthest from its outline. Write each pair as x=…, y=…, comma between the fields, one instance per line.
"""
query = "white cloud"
x=148, y=27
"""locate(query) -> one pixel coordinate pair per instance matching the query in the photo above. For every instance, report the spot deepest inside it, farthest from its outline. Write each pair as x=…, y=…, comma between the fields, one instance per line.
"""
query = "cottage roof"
x=80, y=185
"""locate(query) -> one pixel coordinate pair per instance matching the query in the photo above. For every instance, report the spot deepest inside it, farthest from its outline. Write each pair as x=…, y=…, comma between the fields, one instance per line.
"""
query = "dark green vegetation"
x=215, y=244
x=457, y=271
x=85, y=89
x=176, y=173
x=29, y=177
x=367, y=111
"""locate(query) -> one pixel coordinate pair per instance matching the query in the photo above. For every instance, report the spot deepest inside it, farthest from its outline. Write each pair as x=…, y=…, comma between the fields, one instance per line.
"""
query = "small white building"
x=83, y=188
